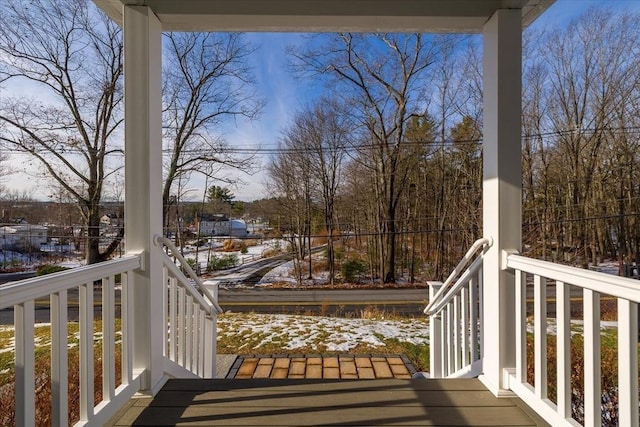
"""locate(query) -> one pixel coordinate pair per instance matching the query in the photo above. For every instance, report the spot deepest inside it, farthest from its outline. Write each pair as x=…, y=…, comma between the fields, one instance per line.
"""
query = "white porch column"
x=502, y=188
x=143, y=184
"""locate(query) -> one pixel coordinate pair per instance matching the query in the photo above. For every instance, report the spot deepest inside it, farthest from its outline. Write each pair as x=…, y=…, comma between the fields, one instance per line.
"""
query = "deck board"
x=272, y=402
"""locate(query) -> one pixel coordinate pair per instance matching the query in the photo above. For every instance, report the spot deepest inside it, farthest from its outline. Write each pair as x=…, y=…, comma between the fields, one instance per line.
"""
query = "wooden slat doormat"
x=322, y=367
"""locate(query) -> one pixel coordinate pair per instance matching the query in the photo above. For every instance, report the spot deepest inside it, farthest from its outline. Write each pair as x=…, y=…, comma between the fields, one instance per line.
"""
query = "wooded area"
x=408, y=109
x=386, y=166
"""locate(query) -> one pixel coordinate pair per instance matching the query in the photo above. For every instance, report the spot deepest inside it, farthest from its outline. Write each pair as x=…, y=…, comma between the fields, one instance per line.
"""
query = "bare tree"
x=378, y=75
x=319, y=136
x=5, y=170
x=206, y=81
x=592, y=74
x=290, y=179
x=72, y=55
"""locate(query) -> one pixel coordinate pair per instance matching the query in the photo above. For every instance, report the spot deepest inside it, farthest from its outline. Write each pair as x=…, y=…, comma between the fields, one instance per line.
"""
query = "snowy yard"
x=254, y=332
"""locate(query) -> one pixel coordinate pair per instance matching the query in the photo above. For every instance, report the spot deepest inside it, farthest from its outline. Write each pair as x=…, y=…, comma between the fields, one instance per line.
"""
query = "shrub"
x=50, y=268
x=222, y=262
x=201, y=242
x=192, y=263
x=338, y=252
x=352, y=269
x=270, y=252
x=275, y=249
x=228, y=245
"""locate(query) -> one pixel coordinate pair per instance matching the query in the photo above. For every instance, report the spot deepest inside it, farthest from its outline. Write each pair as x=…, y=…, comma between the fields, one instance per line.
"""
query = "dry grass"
x=246, y=344
x=43, y=375
x=609, y=375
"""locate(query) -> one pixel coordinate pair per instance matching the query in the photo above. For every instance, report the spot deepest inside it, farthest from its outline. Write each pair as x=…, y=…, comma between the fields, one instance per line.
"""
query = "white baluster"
x=592, y=359
x=108, y=339
x=59, y=360
x=627, y=362
x=126, y=309
x=166, y=297
x=540, y=335
x=209, y=347
x=444, y=350
x=466, y=326
x=181, y=326
x=474, y=304
x=188, y=333
x=86, y=352
x=521, y=326
x=24, y=319
x=173, y=314
x=456, y=333
x=563, y=341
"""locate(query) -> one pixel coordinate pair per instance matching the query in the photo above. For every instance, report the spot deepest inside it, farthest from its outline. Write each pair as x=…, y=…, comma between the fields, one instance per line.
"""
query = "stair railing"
x=190, y=312
x=454, y=312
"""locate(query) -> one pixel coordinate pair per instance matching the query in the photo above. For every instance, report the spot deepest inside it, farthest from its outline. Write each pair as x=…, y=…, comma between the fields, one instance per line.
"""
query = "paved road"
x=252, y=272
x=282, y=301
x=11, y=277
x=318, y=300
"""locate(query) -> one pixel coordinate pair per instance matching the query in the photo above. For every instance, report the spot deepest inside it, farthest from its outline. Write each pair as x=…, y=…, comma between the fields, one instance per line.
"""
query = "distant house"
x=111, y=220
x=23, y=236
x=237, y=228
x=220, y=225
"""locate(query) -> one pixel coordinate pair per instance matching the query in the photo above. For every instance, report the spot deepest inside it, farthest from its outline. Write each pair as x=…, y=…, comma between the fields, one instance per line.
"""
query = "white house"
x=22, y=236
x=220, y=225
x=111, y=220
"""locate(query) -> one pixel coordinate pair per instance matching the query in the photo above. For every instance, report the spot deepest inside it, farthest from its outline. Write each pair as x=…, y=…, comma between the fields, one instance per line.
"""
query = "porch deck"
x=303, y=402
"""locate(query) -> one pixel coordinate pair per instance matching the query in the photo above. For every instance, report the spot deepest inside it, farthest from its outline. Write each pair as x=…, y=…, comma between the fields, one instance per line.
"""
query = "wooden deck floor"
x=306, y=402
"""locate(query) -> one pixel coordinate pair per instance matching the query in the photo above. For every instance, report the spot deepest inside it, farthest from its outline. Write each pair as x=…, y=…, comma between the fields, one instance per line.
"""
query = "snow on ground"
x=337, y=334
x=43, y=340
x=72, y=263
x=284, y=274
x=253, y=252
x=291, y=332
x=281, y=273
x=609, y=267
x=577, y=326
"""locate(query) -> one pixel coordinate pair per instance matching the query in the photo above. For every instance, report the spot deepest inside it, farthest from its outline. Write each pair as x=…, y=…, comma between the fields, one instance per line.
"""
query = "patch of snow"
x=72, y=263
x=577, y=326
x=281, y=273
x=335, y=334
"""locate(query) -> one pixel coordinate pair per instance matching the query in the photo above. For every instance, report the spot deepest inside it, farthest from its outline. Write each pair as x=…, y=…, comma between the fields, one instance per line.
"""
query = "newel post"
x=143, y=186
x=502, y=189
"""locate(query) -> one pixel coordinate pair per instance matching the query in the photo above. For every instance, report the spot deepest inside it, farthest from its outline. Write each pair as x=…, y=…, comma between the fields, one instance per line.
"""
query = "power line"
x=593, y=218
x=275, y=149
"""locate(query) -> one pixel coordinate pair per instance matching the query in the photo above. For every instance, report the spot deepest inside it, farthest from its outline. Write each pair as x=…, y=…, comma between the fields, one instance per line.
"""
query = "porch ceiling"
x=463, y=16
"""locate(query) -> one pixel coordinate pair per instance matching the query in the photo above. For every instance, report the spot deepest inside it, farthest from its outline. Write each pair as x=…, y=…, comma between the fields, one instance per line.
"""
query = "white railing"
x=190, y=313
x=55, y=292
x=454, y=318
x=590, y=286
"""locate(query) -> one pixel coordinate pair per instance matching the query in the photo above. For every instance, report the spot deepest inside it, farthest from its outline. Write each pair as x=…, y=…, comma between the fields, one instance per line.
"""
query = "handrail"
x=17, y=292
x=57, y=292
x=480, y=243
x=592, y=285
x=161, y=240
x=619, y=287
x=461, y=282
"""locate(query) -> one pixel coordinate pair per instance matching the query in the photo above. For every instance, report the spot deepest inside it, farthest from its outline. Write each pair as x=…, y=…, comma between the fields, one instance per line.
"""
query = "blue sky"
x=285, y=95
